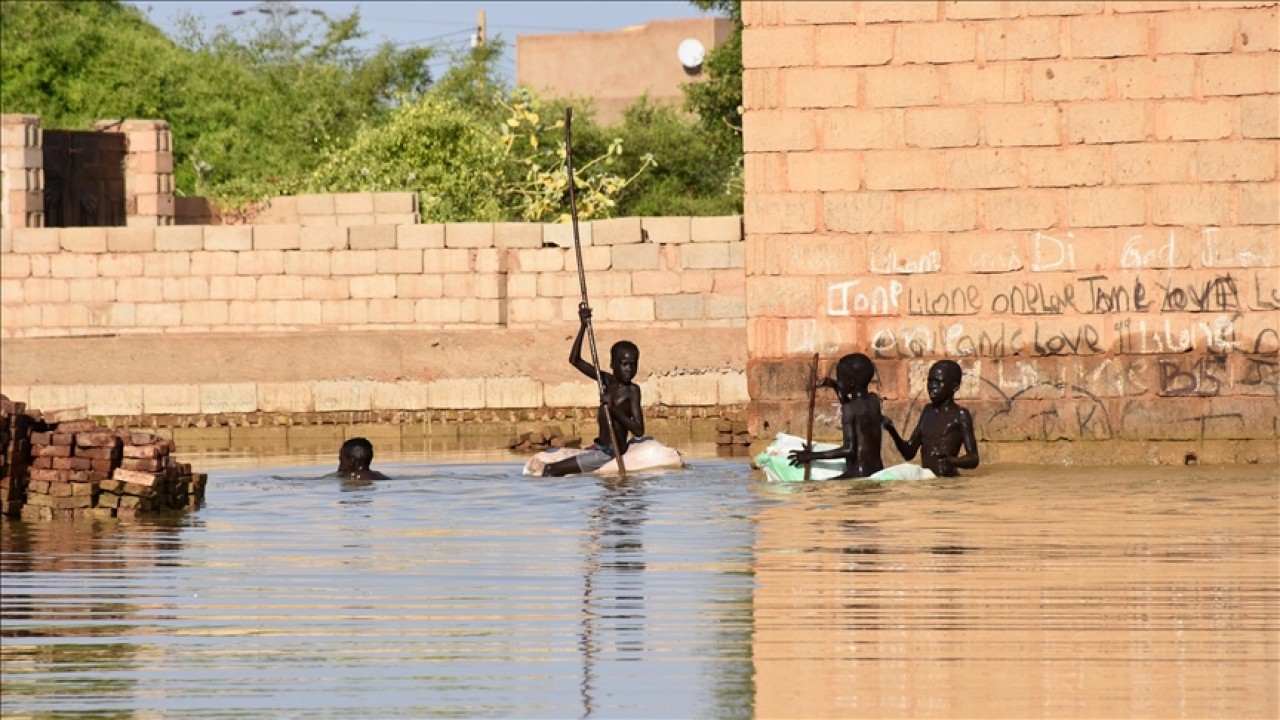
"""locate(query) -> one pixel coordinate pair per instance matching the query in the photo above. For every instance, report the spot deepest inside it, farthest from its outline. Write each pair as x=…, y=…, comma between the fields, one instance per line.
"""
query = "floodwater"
x=462, y=589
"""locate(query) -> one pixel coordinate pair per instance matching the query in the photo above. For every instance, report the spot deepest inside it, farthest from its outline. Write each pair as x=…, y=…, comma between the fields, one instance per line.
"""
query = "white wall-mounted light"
x=691, y=54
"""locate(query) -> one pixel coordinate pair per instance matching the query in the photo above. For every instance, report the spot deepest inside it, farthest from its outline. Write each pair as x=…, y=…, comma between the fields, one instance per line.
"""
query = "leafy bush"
x=246, y=114
x=262, y=110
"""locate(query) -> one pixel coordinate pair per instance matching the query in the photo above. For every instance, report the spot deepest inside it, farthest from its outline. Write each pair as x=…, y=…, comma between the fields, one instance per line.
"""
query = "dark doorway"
x=83, y=179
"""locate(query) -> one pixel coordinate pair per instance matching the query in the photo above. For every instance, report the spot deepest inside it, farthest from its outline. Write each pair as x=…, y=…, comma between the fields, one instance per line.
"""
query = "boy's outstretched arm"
x=907, y=448
x=575, y=352
x=847, y=449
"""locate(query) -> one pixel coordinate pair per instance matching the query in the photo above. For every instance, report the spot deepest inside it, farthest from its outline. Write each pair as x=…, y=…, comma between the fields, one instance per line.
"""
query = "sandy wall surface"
x=1077, y=201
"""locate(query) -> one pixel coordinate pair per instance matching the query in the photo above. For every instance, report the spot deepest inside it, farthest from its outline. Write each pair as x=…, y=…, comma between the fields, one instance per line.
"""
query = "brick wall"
x=1076, y=200
x=322, y=209
x=21, y=172
x=648, y=272
x=223, y=324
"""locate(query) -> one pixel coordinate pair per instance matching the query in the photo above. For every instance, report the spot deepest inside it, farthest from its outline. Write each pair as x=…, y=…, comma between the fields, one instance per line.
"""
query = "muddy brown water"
x=460, y=588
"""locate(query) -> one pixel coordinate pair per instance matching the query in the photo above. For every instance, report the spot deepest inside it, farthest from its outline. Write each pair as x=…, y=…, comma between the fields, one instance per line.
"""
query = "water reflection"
x=468, y=590
x=613, y=590
x=1027, y=592
x=443, y=590
x=85, y=630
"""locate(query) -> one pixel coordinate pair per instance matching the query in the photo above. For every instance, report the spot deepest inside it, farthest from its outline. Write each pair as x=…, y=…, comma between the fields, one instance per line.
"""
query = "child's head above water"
x=355, y=454
x=944, y=380
x=855, y=370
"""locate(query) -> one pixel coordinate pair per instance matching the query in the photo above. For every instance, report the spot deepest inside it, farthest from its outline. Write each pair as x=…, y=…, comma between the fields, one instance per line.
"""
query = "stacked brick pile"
x=15, y=455
x=80, y=469
x=149, y=479
x=67, y=464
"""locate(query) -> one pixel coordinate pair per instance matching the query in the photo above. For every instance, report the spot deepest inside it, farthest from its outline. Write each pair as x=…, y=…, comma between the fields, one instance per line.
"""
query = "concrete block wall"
x=148, y=171
x=21, y=172
x=309, y=401
x=149, y=195
x=332, y=209
x=205, y=305
x=676, y=272
x=329, y=210
x=1077, y=201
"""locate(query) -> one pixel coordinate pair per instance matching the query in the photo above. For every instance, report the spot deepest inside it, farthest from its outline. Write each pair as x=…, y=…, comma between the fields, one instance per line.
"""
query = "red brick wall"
x=1076, y=200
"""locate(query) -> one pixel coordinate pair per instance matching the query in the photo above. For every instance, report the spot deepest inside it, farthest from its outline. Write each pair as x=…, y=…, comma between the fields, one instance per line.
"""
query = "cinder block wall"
x=649, y=272
x=21, y=172
x=326, y=209
x=1078, y=201
x=140, y=299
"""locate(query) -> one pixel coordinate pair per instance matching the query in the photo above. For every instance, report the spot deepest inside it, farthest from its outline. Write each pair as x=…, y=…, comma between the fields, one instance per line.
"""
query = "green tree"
x=249, y=107
x=718, y=100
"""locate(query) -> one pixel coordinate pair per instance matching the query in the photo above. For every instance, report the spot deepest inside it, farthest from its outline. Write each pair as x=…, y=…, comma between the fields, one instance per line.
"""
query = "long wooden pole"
x=813, y=396
x=618, y=451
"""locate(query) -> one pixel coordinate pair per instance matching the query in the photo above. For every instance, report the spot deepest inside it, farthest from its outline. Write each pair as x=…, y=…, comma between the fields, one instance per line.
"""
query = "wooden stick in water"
x=813, y=396
x=582, y=283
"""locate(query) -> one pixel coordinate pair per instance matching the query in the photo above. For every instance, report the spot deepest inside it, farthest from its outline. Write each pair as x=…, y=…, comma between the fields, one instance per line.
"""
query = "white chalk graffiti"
x=1050, y=253
x=1213, y=255
x=842, y=301
x=995, y=260
x=890, y=264
x=1136, y=256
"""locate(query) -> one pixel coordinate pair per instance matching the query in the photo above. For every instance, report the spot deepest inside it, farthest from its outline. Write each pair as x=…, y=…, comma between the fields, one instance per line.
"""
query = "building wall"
x=148, y=171
x=615, y=68
x=405, y=323
x=645, y=272
x=1078, y=201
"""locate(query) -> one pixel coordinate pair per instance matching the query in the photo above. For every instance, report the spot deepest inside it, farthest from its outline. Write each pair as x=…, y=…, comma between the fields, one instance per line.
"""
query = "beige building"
x=615, y=68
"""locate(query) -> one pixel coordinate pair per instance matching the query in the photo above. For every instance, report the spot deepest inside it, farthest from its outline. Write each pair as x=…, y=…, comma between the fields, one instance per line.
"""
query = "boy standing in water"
x=859, y=418
x=944, y=426
x=620, y=393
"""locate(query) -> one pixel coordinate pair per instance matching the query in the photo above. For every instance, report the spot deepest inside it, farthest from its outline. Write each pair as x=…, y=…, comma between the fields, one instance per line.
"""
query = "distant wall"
x=322, y=209
x=148, y=171
x=1078, y=201
x=650, y=272
x=276, y=325
x=615, y=68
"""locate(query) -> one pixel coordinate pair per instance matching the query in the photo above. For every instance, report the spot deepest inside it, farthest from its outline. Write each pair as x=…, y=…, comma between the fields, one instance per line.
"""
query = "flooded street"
x=465, y=589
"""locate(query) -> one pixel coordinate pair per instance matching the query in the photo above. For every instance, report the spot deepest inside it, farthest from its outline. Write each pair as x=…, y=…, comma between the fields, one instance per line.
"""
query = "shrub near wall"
x=1077, y=201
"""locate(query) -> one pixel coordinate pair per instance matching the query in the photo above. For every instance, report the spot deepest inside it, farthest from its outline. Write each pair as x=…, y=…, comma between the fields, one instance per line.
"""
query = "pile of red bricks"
x=15, y=455
x=80, y=469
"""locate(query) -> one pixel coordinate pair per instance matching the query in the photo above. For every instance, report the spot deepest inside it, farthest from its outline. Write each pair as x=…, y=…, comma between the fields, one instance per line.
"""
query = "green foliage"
x=246, y=114
x=718, y=100
x=262, y=109
x=693, y=176
x=465, y=167
x=541, y=193
x=431, y=146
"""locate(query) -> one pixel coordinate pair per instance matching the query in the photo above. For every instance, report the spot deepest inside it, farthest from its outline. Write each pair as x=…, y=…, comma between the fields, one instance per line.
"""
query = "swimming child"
x=621, y=395
x=859, y=419
x=944, y=426
x=354, y=458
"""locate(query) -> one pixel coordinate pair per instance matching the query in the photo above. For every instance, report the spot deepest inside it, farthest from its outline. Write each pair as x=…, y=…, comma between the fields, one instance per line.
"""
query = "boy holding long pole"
x=620, y=411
